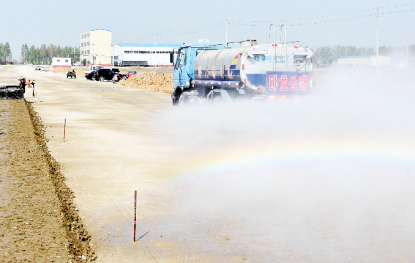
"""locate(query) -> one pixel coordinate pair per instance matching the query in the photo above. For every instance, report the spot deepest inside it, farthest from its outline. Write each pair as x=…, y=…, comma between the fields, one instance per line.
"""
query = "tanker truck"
x=211, y=72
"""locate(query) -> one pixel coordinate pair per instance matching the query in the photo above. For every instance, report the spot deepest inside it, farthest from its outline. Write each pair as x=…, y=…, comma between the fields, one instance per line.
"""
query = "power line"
x=319, y=17
x=339, y=18
x=185, y=32
x=327, y=21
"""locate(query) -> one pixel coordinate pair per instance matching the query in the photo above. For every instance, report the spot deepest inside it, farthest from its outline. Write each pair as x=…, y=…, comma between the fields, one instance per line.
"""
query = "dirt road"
x=313, y=180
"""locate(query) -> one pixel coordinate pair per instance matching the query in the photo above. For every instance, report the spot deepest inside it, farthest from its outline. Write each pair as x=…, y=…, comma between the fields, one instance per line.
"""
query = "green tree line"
x=329, y=54
x=44, y=54
x=5, y=52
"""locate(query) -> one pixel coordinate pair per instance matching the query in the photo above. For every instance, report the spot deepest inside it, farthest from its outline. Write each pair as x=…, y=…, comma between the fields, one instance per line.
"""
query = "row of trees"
x=5, y=52
x=44, y=54
x=328, y=55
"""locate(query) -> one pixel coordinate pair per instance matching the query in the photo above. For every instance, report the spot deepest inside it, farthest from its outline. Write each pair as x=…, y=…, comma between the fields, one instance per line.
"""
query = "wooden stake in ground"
x=135, y=211
x=64, y=130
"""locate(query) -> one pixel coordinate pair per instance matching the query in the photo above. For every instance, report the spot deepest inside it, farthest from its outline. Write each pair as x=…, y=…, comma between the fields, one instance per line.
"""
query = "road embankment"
x=38, y=220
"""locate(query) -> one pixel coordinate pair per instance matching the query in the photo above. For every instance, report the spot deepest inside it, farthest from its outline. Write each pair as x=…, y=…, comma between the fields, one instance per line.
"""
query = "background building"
x=144, y=54
x=61, y=62
x=363, y=61
x=95, y=47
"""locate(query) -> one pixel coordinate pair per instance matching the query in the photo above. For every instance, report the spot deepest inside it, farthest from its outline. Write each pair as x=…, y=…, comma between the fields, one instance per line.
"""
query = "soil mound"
x=151, y=81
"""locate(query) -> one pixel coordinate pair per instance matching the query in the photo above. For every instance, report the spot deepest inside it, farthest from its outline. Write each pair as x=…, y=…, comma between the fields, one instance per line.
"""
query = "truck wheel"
x=184, y=98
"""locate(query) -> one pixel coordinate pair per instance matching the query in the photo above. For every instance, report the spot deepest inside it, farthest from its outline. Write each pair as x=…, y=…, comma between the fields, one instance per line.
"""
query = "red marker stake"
x=135, y=211
x=64, y=130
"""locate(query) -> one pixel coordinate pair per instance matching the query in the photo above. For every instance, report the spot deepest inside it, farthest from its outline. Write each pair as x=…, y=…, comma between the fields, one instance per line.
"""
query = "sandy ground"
x=34, y=223
x=112, y=147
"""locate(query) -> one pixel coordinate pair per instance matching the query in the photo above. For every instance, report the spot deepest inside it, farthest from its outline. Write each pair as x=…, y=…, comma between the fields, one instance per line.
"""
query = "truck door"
x=178, y=68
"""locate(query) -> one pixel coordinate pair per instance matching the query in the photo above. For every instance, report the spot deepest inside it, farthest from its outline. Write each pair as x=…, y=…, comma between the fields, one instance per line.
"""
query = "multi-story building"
x=149, y=55
x=95, y=47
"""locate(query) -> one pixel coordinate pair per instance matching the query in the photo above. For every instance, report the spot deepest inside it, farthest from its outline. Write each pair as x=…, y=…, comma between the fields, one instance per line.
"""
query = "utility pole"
x=377, y=38
x=155, y=50
x=112, y=45
x=226, y=32
x=407, y=55
x=93, y=54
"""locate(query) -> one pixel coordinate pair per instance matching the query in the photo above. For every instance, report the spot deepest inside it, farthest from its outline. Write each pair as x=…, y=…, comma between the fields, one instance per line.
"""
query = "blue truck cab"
x=184, y=64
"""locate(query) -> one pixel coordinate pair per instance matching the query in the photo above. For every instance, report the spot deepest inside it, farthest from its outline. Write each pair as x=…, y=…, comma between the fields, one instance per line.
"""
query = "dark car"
x=91, y=75
x=104, y=74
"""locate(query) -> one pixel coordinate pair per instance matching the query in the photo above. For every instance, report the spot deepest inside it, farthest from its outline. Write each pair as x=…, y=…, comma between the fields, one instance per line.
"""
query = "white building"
x=363, y=61
x=61, y=63
x=95, y=47
x=144, y=54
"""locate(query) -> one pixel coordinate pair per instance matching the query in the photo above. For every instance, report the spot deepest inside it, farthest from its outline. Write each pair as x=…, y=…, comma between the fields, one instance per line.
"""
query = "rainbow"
x=219, y=163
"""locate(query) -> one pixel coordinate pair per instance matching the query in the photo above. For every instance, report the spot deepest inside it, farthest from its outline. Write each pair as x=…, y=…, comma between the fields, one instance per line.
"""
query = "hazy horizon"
x=315, y=24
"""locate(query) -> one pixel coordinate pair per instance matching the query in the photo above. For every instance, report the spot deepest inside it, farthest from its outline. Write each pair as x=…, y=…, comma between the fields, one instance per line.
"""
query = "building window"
x=66, y=60
x=135, y=52
x=88, y=52
x=58, y=60
x=88, y=34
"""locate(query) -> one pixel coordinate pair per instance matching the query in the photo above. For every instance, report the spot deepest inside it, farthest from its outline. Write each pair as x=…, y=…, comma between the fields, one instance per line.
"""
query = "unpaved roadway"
x=108, y=153
x=328, y=179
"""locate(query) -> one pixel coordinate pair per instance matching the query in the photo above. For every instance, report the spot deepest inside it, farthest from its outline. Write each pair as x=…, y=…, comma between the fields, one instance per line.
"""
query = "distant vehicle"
x=92, y=68
x=71, y=74
x=38, y=67
x=104, y=74
x=91, y=75
x=118, y=77
x=131, y=73
x=43, y=68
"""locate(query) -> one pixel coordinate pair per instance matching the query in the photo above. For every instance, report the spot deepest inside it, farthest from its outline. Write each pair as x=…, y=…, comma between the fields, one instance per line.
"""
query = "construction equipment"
x=208, y=71
x=13, y=91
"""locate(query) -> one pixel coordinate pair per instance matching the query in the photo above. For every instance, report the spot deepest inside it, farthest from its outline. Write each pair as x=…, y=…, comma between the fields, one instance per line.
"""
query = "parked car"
x=91, y=75
x=43, y=68
x=92, y=68
x=118, y=77
x=38, y=67
x=104, y=74
x=131, y=73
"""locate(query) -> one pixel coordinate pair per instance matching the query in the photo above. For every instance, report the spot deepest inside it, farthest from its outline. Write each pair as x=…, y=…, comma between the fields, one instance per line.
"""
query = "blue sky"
x=175, y=22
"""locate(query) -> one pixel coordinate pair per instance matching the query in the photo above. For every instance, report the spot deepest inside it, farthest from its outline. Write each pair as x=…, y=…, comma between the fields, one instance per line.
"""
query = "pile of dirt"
x=79, y=72
x=38, y=220
x=151, y=81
